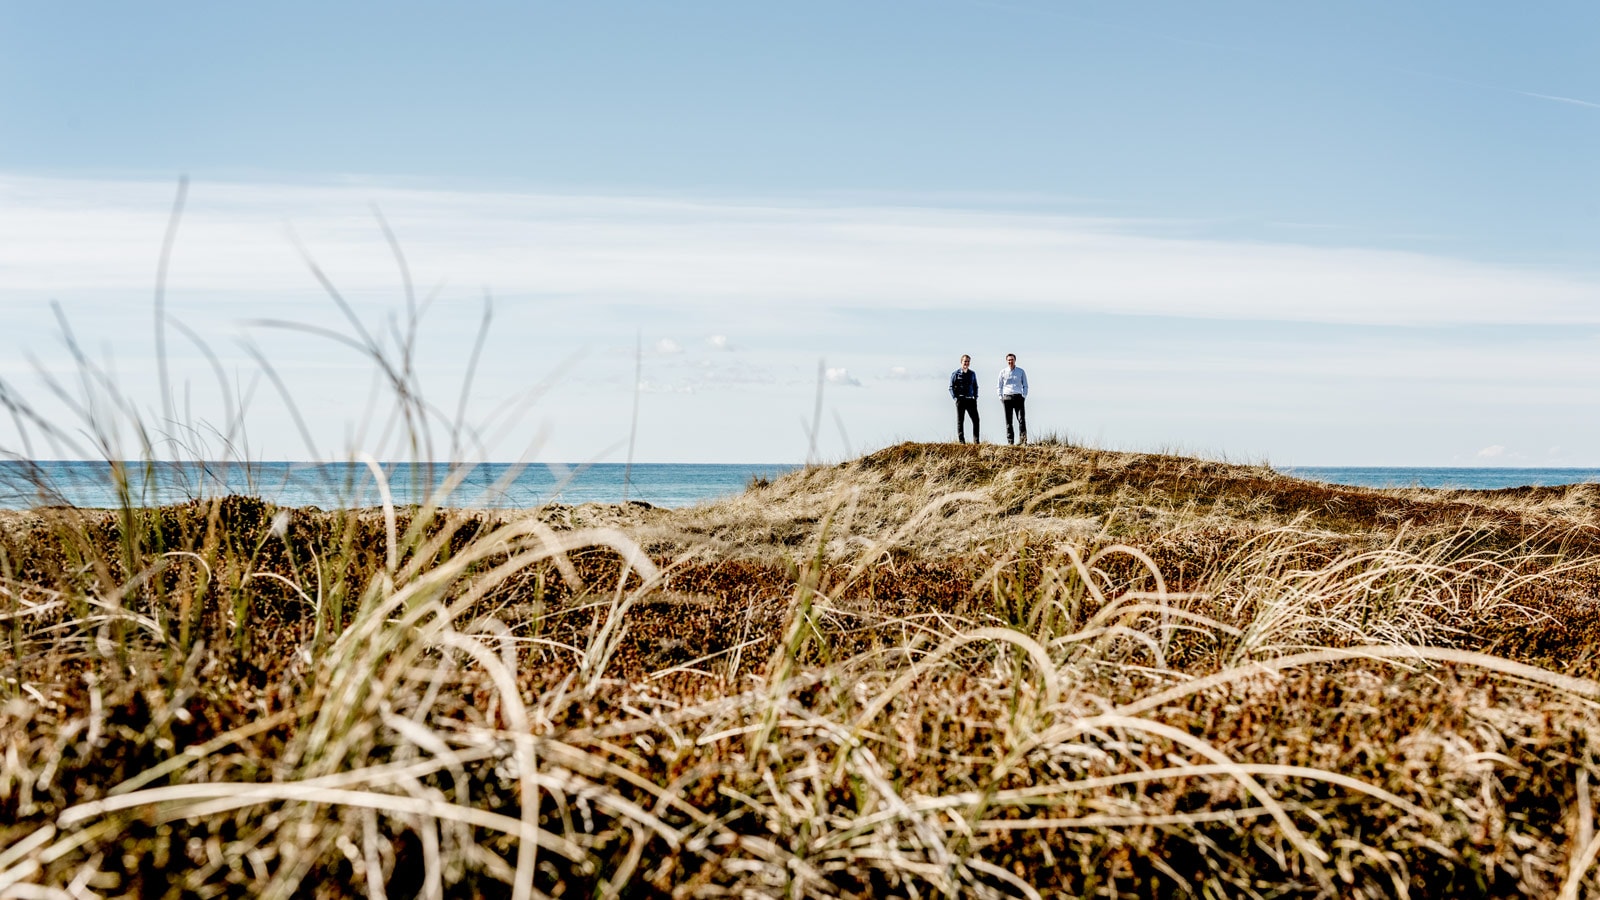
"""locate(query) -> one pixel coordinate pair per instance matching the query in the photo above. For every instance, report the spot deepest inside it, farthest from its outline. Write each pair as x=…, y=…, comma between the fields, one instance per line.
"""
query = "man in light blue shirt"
x=1014, y=396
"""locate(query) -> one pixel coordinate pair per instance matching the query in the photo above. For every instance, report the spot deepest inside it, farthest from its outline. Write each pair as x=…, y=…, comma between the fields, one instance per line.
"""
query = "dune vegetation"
x=936, y=670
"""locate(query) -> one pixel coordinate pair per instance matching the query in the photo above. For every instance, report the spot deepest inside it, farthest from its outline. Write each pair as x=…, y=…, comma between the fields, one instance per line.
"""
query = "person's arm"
x=1000, y=387
x=1022, y=376
x=953, y=376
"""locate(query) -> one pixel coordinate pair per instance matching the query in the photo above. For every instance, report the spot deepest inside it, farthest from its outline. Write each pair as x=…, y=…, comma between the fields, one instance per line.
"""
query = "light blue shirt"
x=1013, y=381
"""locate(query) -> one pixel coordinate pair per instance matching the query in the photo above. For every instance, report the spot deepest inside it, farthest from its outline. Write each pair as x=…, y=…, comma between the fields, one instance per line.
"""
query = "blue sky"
x=1363, y=233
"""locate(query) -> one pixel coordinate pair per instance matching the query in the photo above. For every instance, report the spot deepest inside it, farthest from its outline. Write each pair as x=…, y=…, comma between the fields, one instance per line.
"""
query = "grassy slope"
x=766, y=716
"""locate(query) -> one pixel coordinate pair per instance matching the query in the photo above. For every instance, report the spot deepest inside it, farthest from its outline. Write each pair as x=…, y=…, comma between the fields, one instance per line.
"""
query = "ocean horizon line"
x=1280, y=467
x=99, y=484
x=362, y=463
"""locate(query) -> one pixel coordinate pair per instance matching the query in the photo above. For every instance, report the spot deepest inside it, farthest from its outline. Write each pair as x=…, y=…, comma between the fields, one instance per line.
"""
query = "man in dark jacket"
x=964, y=388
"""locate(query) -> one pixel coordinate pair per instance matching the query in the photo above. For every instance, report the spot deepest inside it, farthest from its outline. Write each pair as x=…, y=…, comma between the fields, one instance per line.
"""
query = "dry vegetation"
x=933, y=671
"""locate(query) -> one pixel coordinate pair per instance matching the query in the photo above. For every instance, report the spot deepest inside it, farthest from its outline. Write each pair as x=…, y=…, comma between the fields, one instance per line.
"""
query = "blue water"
x=502, y=486
x=334, y=485
x=1469, y=479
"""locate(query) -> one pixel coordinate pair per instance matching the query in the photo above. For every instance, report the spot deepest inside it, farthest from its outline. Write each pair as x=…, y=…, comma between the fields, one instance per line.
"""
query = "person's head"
x=966, y=361
x=1011, y=360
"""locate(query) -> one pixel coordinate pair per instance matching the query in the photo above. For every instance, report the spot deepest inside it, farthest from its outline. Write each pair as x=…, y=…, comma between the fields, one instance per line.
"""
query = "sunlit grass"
x=931, y=671
x=482, y=714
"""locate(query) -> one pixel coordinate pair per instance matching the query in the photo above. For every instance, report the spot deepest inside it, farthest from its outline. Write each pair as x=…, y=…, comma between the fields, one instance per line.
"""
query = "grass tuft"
x=977, y=671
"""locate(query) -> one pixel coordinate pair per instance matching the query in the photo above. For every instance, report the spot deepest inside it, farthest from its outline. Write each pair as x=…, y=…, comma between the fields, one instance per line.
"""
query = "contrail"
x=1572, y=100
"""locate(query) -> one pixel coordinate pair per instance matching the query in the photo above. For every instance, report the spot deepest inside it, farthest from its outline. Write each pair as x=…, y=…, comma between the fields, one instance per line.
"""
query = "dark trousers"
x=966, y=406
x=1016, y=404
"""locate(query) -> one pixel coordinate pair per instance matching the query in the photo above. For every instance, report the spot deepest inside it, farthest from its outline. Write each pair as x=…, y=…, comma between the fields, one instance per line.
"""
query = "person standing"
x=964, y=388
x=1014, y=397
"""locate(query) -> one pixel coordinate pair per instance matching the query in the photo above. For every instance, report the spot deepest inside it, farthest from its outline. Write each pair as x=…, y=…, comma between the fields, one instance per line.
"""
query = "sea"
x=24, y=485
x=503, y=486
x=1471, y=479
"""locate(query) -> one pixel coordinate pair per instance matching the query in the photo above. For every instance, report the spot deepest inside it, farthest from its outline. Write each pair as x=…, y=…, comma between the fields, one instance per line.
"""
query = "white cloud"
x=738, y=374
x=662, y=387
x=76, y=237
x=1494, y=451
x=575, y=278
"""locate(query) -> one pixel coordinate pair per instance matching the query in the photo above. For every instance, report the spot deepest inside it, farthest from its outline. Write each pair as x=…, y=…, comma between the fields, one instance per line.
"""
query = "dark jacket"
x=964, y=385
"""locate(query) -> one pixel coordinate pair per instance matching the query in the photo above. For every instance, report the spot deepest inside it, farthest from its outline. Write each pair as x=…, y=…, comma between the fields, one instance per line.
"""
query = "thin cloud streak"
x=1572, y=100
x=68, y=238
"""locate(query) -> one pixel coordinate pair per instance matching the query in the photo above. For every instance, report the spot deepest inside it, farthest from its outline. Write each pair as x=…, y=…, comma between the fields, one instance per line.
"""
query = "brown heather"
x=933, y=671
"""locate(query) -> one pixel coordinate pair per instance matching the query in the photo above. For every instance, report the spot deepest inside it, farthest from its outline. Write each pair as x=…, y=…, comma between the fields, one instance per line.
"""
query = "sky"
x=1337, y=234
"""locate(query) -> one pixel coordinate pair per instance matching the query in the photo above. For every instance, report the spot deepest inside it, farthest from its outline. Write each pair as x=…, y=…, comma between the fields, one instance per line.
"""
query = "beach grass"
x=935, y=670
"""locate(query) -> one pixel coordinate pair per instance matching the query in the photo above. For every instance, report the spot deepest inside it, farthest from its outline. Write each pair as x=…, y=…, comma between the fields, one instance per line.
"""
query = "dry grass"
x=934, y=670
